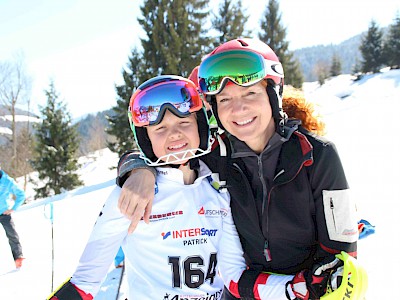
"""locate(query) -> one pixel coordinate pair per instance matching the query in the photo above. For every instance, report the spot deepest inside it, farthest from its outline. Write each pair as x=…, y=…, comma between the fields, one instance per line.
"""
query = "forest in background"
x=176, y=40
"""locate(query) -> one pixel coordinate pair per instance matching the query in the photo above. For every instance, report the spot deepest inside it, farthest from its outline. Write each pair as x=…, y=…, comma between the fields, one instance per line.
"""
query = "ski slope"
x=74, y=214
x=361, y=120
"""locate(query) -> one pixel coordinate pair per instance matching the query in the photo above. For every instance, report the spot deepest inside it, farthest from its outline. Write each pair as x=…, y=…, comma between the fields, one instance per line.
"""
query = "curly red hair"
x=296, y=106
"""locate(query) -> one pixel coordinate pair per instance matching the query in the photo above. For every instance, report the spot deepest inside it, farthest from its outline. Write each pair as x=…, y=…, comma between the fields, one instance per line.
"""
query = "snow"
x=20, y=118
x=5, y=130
x=74, y=214
x=361, y=119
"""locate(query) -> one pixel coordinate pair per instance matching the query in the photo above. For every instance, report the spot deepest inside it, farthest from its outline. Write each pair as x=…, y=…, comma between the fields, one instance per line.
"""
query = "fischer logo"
x=213, y=212
x=187, y=233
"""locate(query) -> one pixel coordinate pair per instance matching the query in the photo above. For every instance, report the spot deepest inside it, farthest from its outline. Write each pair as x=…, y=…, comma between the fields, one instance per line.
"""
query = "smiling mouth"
x=245, y=122
x=177, y=147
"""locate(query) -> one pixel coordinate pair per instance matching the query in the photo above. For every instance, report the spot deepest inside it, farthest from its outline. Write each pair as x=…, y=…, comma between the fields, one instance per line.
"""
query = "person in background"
x=290, y=197
x=9, y=189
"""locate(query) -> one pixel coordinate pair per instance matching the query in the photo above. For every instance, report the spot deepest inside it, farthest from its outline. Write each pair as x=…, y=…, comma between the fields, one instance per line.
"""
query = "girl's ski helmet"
x=148, y=105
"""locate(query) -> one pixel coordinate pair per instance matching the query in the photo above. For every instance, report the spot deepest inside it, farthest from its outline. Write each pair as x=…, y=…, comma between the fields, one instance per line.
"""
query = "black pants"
x=12, y=235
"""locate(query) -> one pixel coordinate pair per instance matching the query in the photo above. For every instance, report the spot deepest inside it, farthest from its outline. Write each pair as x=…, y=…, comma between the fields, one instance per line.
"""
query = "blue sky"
x=83, y=44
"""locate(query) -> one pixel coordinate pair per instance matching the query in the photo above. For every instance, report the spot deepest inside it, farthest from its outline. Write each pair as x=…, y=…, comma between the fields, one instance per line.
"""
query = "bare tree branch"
x=15, y=88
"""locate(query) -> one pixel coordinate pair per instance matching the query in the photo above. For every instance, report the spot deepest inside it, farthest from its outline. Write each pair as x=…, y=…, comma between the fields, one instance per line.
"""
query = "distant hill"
x=347, y=52
x=92, y=133
x=91, y=128
x=5, y=111
x=23, y=118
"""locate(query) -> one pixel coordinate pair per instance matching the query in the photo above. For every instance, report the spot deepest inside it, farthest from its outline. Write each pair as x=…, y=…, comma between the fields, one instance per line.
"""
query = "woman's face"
x=246, y=113
x=174, y=134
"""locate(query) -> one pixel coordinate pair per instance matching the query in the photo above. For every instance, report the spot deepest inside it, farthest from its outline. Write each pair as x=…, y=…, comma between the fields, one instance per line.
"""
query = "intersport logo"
x=191, y=232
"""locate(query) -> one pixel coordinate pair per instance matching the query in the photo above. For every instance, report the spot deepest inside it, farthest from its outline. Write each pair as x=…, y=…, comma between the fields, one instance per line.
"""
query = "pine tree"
x=56, y=146
x=230, y=22
x=321, y=69
x=119, y=125
x=173, y=46
x=176, y=35
x=336, y=66
x=293, y=73
x=391, y=46
x=356, y=69
x=274, y=35
x=372, y=49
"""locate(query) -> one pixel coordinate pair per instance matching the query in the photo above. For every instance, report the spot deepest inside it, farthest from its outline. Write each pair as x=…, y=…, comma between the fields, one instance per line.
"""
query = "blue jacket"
x=7, y=187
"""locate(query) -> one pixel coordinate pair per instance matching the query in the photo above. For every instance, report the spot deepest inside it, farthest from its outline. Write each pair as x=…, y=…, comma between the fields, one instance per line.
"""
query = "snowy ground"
x=364, y=126
x=74, y=214
x=361, y=119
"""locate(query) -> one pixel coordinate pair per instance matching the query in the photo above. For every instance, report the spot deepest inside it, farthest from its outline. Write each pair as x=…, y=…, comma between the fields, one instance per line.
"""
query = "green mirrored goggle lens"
x=242, y=67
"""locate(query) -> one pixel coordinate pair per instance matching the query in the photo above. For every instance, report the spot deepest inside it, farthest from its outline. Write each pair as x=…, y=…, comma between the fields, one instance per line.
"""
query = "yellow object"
x=57, y=289
x=354, y=283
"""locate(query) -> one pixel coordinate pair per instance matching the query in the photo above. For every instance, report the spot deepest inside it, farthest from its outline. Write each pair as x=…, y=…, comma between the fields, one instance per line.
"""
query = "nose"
x=175, y=133
x=237, y=105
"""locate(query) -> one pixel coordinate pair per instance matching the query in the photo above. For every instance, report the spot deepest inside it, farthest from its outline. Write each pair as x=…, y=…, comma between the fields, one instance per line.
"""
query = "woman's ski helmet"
x=245, y=62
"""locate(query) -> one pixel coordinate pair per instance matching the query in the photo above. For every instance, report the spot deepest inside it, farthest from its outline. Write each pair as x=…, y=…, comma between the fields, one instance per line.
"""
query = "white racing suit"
x=191, y=240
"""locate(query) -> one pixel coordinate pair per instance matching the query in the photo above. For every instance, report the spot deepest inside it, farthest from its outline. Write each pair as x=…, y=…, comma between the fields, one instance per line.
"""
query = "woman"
x=289, y=193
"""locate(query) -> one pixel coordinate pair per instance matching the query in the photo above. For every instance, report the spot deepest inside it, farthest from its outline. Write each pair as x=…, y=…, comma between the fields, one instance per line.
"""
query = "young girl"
x=179, y=254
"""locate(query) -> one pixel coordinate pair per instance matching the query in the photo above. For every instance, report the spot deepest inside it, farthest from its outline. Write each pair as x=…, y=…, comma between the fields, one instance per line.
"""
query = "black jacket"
x=280, y=216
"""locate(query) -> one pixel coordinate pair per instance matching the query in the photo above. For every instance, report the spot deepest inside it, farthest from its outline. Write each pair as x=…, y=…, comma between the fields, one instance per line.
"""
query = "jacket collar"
x=295, y=154
x=240, y=148
x=175, y=175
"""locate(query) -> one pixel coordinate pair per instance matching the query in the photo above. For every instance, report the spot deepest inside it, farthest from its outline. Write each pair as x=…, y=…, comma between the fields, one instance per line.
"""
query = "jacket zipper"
x=267, y=252
x=332, y=207
x=264, y=186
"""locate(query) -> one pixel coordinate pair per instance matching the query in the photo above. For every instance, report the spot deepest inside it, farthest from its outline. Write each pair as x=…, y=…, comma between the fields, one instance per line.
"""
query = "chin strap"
x=178, y=156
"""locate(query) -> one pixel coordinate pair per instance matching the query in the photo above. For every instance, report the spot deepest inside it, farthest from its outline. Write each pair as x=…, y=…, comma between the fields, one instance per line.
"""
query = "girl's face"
x=174, y=134
x=246, y=113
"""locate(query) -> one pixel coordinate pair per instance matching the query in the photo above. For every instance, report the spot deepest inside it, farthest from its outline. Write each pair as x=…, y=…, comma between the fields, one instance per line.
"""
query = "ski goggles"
x=150, y=101
x=244, y=68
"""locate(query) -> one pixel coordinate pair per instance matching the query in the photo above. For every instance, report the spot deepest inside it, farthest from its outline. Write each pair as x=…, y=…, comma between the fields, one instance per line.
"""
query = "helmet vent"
x=242, y=42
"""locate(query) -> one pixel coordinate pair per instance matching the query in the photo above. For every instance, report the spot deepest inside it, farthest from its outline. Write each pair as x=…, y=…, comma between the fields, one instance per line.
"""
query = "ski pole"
x=120, y=280
x=51, y=218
